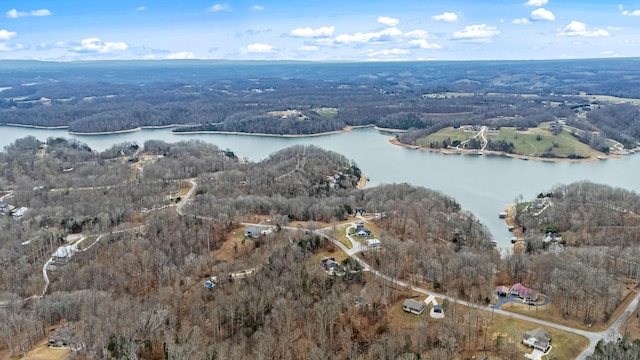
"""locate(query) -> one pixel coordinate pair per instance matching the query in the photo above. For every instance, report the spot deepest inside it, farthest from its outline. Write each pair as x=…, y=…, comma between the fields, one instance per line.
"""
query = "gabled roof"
x=63, y=251
x=413, y=304
x=539, y=334
x=502, y=289
x=518, y=287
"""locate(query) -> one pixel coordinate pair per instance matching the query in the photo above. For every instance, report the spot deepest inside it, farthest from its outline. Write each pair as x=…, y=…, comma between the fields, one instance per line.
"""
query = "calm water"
x=482, y=184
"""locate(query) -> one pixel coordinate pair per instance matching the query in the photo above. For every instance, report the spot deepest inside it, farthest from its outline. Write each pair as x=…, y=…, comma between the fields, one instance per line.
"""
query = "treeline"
x=236, y=97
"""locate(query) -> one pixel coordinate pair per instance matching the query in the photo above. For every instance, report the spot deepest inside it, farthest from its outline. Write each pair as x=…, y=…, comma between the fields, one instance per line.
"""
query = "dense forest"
x=309, y=98
x=155, y=221
x=133, y=288
x=586, y=231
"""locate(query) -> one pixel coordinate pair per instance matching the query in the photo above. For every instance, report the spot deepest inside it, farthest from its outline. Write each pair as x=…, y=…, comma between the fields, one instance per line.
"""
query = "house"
x=252, y=232
x=538, y=339
x=524, y=292
x=413, y=306
x=19, y=212
x=373, y=244
x=359, y=210
x=551, y=236
x=502, y=291
x=62, y=255
x=362, y=231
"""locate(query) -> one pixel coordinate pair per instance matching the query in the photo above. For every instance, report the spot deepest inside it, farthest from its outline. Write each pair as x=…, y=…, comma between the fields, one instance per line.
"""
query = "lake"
x=483, y=185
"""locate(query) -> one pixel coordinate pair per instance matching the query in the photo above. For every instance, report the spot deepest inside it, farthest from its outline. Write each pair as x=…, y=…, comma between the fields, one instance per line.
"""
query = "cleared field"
x=613, y=99
x=532, y=142
x=536, y=141
x=43, y=352
x=328, y=113
x=444, y=134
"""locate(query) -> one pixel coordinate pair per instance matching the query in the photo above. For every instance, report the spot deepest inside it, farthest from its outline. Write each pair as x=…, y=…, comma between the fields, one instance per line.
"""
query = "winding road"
x=612, y=333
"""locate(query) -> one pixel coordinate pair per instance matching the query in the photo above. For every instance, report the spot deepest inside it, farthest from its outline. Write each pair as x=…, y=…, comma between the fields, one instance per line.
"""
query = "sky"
x=328, y=30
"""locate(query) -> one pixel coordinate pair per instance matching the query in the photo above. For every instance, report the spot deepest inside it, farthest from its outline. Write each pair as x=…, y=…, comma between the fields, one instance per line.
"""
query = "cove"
x=483, y=185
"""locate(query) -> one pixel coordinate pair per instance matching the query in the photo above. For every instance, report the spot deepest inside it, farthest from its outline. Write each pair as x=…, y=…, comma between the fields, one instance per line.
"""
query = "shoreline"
x=36, y=126
x=396, y=142
x=510, y=220
x=334, y=132
x=139, y=128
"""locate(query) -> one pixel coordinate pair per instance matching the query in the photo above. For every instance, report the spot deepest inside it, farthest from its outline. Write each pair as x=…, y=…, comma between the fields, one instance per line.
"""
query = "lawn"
x=521, y=206
x=328, y=113
x=532, y=142
x=42, y=351
x=564, y=345
x=536, y=141
x=444, y=134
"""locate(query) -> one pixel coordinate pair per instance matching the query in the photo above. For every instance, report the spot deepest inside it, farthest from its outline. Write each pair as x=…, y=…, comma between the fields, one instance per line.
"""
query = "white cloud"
x=95, y=45
x=542, y=14
x=362, y=38
x=14, y=14
x=141, y=8
x=521, y=21
x=446, y=17
x=577, y=28
x=424, y=44
x=385, y=20
x=536, y=2
x=476, y=33
x=387, y=52
x=631, y=13
x=607, y=52
x=324, y=31
x=257, y=48
x=11, y=46
x=419, y=34
x=218, y=7
x=614, y=28
x=308, y=48
x=7, y=35
x=256, y=8
x=181, y=55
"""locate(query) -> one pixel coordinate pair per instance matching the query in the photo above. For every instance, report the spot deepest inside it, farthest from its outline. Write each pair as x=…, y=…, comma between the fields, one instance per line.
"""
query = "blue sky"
x=319, y=30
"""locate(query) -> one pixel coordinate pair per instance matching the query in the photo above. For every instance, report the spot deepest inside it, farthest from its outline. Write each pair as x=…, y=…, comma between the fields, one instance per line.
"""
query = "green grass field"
x=444, y=134
x=328, y=113
x=533, y=142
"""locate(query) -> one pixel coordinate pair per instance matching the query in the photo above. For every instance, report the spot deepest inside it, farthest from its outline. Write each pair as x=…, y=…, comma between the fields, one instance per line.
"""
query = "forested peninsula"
x=593, y=101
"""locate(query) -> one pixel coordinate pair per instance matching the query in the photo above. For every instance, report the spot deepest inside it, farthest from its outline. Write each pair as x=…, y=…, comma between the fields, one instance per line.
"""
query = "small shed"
x=413, y=306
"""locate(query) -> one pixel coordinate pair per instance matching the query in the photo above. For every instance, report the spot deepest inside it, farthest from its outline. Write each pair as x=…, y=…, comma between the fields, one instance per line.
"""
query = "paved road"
x=610, y=334
x=187, y=197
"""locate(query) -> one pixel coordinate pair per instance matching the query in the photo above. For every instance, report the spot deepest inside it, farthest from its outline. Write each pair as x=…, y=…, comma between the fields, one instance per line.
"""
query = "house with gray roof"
x=538, y=339
x=413, y=306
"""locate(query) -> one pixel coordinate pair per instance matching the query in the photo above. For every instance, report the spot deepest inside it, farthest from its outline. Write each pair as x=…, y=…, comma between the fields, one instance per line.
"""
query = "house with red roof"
x=524, y=292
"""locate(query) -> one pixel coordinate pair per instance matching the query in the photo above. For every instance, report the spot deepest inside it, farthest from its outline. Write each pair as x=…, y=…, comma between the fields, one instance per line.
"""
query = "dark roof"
x=413, y=304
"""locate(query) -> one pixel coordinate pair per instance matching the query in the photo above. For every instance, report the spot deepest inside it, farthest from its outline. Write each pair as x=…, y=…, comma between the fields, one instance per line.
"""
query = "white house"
x=373, y=244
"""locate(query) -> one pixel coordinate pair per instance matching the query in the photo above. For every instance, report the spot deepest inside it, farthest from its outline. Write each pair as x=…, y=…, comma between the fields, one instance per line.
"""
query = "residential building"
x=538, y=339
x=413, y=306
